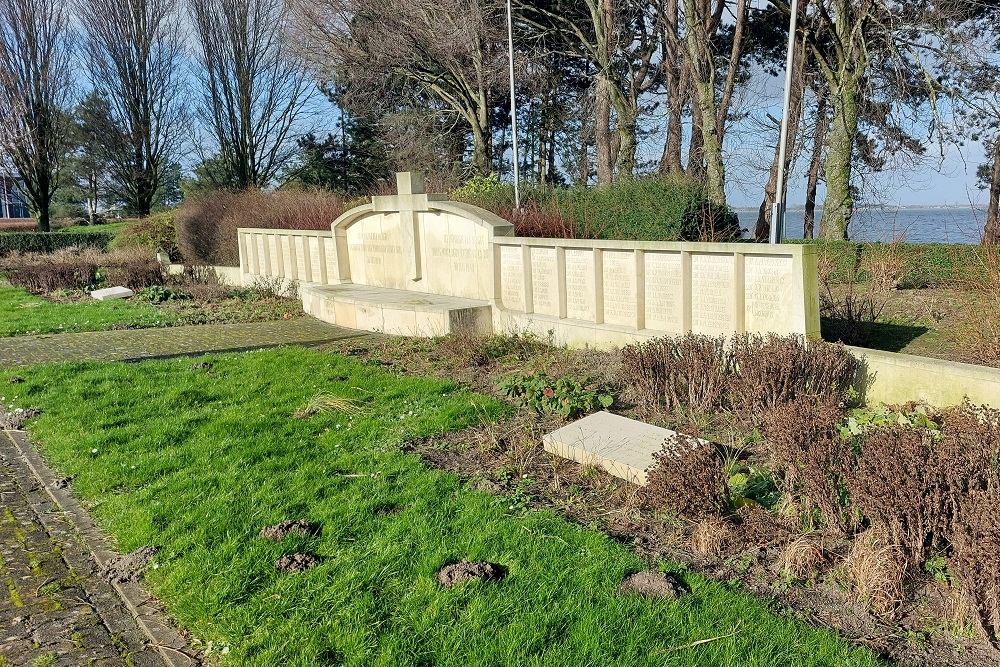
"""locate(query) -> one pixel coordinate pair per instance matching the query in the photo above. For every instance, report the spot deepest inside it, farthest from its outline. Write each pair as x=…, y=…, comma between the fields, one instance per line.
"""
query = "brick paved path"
x=125, y=345
x=51, y=613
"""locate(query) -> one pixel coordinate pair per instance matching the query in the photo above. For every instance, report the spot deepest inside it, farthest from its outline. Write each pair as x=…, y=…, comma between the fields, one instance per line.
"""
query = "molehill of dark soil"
x=297, y=562
x=459, y=573
x=652, y=584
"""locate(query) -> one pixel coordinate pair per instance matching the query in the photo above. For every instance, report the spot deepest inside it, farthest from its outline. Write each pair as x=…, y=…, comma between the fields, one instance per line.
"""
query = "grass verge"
x=196, y=461
x=22, y=313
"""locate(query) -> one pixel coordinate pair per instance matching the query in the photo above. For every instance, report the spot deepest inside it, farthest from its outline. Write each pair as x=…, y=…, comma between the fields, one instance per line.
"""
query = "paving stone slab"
x=623, y=447
x=109, y=293
x=133, y=344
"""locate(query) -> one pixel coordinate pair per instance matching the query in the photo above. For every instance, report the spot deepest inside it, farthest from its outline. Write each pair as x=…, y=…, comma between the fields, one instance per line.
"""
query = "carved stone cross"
x=411, y=198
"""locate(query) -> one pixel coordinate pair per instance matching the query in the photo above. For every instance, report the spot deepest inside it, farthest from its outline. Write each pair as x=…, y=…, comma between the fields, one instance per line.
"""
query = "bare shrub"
x=40, y=273
x=207, y=224
x=688, y=478
x=770, y=370
x=536, y=219
x=876, y=566
x=683, y=372
x=896, y=483
x=473, y=349
x=854, y=306
x=809, y=454
x=751, y=374
x=761, y=528
x=136, y=268
x=977, y=543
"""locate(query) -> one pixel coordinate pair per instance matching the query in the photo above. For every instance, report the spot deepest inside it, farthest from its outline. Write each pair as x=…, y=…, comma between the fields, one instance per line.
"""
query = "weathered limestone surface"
x=623, y=447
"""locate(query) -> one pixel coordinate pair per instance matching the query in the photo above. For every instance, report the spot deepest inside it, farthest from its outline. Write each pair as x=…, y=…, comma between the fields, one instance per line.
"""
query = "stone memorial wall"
x=610, y=292
x=451, y=257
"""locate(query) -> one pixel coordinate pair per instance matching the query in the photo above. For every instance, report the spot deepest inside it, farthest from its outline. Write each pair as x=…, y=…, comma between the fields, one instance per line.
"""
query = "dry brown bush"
x=688, y=478
x=809, y=454
x=136, y=268
x=977, y=559
x=683, y=372
x=207, y=224
x=896, y=484
x=40, y=273
x=749, y=374
x=770, y=370
x=876, y=567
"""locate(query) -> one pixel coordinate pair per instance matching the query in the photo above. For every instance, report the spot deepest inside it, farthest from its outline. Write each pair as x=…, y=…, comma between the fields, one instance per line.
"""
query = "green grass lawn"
x=197, y=462
x=22, y=313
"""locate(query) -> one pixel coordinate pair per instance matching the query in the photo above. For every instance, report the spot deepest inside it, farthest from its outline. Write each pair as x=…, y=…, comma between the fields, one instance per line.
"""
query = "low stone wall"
x=308, y=256
x=891, y=377
x=601, y=293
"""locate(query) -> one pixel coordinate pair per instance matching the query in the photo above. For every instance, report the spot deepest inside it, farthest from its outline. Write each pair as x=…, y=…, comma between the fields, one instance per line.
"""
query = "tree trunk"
x=602, y=130
x=673, y=76
x=696, y=165
x=815, y=163
x=991, y=233
x=626, y=142
x=838, y=208
x=703, y=84
x=763, y=229
x=481, y=160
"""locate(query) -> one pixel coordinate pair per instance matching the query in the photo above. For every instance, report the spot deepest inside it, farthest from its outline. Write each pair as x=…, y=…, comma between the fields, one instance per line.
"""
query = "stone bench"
x=395, y=311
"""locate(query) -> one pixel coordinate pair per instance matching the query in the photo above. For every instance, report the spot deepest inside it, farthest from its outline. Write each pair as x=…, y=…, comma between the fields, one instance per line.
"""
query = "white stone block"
x=109, y=293
x=623, y=447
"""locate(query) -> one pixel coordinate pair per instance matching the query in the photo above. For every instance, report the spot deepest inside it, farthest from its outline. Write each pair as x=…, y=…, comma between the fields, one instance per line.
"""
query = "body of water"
x=915, y=225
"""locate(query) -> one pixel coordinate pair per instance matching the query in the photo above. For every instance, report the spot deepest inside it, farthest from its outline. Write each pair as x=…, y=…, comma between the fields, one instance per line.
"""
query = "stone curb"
x=161, y=643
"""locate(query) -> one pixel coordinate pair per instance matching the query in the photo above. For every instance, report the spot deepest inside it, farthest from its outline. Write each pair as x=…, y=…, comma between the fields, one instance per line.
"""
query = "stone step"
x=395, y=311
x=623, y=447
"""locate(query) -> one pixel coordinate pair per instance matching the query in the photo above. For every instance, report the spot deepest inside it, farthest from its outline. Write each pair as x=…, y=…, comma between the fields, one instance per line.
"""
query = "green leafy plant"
x=161, y=294
x=862, y=420
x=565, y=396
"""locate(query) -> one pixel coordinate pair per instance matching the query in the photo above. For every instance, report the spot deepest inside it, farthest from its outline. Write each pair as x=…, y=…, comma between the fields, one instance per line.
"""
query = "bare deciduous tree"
x=135, y=54
x=254, y=88
x=449, y=50
x=35, y=92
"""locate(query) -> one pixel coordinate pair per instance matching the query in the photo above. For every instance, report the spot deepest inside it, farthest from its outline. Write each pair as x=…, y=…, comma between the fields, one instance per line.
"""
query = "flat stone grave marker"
x=109, y=293
x=623, y=447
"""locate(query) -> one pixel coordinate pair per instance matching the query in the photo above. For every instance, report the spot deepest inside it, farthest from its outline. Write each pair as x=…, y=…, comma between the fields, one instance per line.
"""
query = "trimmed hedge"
x=640, y=209
x=926, y=264
x=25, y=242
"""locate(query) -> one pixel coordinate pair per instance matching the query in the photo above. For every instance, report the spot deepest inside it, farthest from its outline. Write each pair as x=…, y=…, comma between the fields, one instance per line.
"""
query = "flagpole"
x=777, y=233
x=513, y=108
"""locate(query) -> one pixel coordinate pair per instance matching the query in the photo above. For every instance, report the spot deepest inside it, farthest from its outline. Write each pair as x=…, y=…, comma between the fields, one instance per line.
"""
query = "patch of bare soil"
x=63, y=482
x=459, y=573
x=128, y=568
x=298, y=527
x=15, y=379
x=652, y=584
x=292, y=563
x=202, y=366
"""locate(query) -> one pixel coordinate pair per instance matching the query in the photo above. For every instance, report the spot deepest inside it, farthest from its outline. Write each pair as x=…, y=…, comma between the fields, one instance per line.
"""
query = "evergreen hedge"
x=24, y=242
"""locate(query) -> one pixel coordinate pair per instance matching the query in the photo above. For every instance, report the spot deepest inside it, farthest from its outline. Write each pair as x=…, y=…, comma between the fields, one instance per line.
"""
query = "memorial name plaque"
x=376, y=251
x=544, y=283
x=770, y=299
x=664, y=301
x=619, y=287
x=458, y=256
x=512, y=278
x=580, y=280
x=712, y=294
